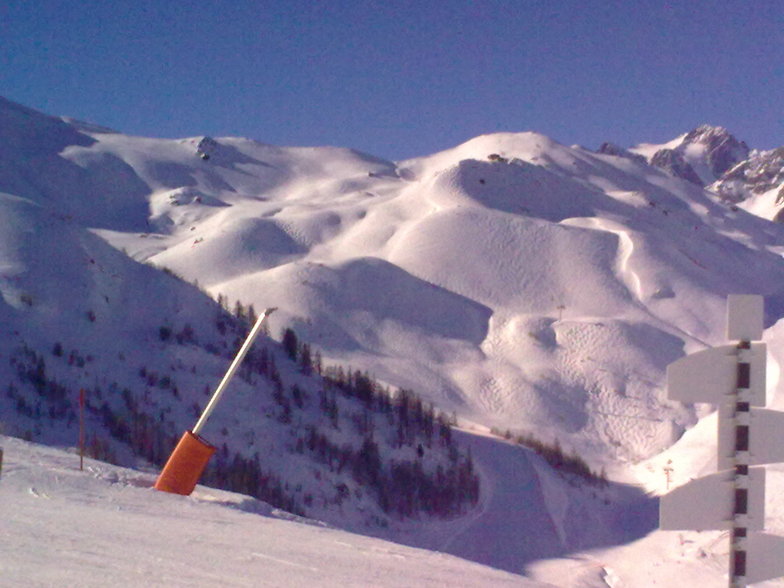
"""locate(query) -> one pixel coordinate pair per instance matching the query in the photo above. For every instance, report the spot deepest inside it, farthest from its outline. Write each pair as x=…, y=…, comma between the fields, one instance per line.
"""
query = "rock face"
x=613, y=149
x=675, y=163
x=712, y=157
x=722, y=150
x=701, y=156
x=761, y=172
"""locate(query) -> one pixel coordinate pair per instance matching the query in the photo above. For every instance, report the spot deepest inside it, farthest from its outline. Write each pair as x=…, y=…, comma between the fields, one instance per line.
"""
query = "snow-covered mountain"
x=148, y=349
x=756, y=184
x=712, y=157
x=700, y=156
x=522, y=285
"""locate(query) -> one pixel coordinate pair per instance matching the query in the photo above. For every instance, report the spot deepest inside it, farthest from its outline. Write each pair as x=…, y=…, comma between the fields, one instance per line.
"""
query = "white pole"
x=232, y=369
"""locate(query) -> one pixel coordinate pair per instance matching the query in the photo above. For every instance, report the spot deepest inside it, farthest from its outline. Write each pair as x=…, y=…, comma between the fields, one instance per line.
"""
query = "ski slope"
x=62, y=526
x=65, y=526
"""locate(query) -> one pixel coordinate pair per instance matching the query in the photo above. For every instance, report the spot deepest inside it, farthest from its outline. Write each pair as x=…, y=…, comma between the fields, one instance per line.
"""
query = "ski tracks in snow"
x=624, y=270
x=491, y=396
x=279, y=560
x=512, y=526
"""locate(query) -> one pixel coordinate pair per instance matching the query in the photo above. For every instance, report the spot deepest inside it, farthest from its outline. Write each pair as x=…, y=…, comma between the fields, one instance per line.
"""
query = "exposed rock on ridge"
x=760, y=173
x=722, y=149
x=672, y=161
x=608, y=148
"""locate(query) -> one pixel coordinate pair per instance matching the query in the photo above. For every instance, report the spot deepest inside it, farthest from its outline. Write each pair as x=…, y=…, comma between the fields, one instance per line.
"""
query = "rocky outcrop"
x=608, y=148
x=702, y=156
x=722, y=150
x=673, y=162
x=761, y=172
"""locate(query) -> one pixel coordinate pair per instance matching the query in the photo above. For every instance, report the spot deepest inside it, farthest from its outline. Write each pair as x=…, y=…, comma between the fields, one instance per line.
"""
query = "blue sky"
x=401, y=79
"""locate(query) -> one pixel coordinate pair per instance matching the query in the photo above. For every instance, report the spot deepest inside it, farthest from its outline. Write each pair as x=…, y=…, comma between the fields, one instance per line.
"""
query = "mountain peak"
x=706, y=130
x=700, y=156
x=722, y=150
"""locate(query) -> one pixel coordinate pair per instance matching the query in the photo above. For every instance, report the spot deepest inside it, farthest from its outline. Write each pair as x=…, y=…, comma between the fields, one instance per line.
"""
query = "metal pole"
x=741, y=419
x=232, y=369
x=81, y=429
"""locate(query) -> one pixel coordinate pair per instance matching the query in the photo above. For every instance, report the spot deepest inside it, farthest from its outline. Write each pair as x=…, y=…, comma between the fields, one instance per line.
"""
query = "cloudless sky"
x=401, y=79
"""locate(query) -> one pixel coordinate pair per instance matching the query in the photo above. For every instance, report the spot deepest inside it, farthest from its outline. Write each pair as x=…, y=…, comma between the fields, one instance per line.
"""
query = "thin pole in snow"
x=232, y=369
x=81, y=429
x=668, y=469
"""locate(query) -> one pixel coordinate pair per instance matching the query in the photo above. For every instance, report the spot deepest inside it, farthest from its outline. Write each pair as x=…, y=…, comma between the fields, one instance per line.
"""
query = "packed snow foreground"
x=107, y=526
x=535, y=291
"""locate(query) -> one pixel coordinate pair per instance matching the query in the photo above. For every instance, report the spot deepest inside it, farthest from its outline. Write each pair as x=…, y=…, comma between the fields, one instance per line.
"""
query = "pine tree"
x=239, y=310
x=251, y=314
x=305, y=361
x=317, y=362
x=290, y=343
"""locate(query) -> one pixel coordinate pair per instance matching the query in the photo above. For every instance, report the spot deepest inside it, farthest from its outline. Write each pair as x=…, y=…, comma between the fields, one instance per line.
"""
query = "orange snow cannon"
x=185, y=465
x=188, y=460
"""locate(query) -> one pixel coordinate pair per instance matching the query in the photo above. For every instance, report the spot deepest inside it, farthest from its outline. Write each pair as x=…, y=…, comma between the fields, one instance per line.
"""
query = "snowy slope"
x=488, y=262
x=62, y=526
